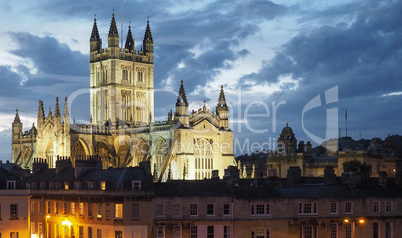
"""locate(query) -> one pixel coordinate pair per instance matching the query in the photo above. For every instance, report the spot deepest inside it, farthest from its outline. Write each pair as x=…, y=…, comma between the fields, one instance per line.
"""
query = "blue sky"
x=266, y=54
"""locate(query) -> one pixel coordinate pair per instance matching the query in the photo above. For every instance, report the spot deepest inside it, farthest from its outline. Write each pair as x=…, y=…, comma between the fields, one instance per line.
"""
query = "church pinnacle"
x=129, y=40
x=57, y=109
x=148, y=34
x=95, y=32
x=113, y=27
x=222, y=99
x=182, y=99
x=17, y=117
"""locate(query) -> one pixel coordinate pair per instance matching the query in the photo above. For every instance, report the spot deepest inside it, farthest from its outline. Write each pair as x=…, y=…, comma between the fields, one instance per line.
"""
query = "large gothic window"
x=78, y=151
x=140, y=152
x=160, y=154
x=126, y=105
x=204, y=163
x=140, y=109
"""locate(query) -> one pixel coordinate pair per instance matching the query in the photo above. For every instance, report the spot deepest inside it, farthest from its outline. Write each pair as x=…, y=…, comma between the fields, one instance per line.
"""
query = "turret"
x=57, y=114
x=113, y=36
x=181, y=113
x=66, y=117
x=130, y=46
x=222, y=110
x=41, y=114
x=16, y=126
x=95, y=40
x=148, y=43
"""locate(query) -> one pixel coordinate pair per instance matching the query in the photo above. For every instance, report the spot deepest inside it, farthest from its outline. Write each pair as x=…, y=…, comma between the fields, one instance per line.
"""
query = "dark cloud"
x=49, y=55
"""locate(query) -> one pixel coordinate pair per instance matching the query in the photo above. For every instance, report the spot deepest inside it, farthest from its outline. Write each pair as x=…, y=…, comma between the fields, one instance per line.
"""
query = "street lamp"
x=67, y=225
x=361, y=221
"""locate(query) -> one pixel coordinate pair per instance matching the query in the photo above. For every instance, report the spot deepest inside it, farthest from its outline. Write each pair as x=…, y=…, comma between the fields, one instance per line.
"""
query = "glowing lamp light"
x=34, y=236
x=346, y=220
x=66, y=223
x=47, y=216
x=361, y=221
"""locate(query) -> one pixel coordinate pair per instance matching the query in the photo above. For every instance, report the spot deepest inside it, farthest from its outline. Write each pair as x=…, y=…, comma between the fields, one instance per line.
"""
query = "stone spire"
x=113, y=27
x=50, y=113
x=222, y=110
x=66, y=113
x=148, y=43
x=95, y=40
x=57, y=108
x=182, y=99
x=148, y=34
x=181, y=114
x=113, y=36
x=41, y=113
x=17, y=117
x=95, y=32
x=222, y=99
x=129, y=40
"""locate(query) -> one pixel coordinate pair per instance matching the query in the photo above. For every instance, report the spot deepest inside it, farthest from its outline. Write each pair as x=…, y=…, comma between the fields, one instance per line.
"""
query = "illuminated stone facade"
x=122, y=131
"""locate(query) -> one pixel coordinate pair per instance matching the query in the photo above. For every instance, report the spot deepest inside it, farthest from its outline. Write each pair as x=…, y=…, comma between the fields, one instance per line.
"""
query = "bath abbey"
x=122, y=131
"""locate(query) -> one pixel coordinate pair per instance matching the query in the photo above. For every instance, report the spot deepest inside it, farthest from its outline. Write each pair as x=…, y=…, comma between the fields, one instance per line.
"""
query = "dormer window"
x=11, y=184
x=51, y=185
x=42, y=185
x=58, y=185
x=66, y=185
x=136, y=185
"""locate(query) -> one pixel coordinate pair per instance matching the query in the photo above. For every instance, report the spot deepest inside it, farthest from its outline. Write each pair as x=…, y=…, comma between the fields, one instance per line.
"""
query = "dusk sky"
x=282, y=54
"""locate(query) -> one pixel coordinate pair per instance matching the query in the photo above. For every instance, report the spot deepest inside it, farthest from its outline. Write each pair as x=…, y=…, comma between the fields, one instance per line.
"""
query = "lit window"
x=118, y=234
x=81, y=207
x=72, y=208
x=66, y=185
x=99, y=211
x=103, y=185
x=118, y=210
x=13, y=211
x=32, y=207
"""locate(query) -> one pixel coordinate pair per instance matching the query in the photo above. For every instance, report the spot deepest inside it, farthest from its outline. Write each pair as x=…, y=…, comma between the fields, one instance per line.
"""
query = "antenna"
x=122, y=25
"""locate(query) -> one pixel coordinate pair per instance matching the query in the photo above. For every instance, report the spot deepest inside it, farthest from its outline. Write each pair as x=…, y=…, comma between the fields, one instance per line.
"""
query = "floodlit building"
x=122, y=131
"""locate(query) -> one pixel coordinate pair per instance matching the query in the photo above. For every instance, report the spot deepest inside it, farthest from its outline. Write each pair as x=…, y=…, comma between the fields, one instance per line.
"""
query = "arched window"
x=126, y=105
x=140, y=152
x=204, y=163
x=160, y=153
x=140, y=76
x=77, y=152
x=125, y=74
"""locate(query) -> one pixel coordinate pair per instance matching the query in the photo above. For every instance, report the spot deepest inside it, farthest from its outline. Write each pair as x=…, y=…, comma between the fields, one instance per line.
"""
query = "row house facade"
x=89, y=201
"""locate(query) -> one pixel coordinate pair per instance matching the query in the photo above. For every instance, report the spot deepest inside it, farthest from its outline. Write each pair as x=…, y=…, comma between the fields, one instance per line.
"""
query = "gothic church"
x=122, y=131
